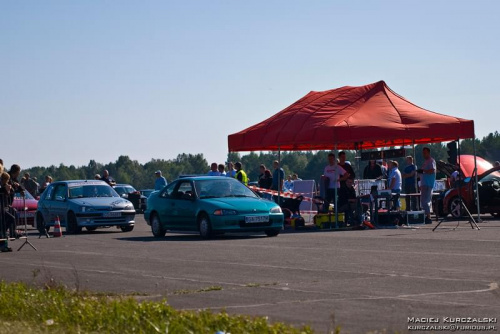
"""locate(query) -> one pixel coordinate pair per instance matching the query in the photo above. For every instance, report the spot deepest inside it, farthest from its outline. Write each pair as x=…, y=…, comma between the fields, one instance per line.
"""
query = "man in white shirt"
x=331, y=178
x=394, y=181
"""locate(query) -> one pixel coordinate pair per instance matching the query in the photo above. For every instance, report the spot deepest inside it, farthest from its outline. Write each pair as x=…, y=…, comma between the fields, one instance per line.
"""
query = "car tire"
x=91, y=228
x=205, y=227
x=156, y=226
x=127, y=228
x=40, y=224
x=272, y=233
x=454, y=208
x=72, y=224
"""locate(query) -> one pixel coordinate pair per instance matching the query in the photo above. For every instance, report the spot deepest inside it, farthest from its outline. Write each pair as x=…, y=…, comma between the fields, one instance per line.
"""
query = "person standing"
x=394, y=181
x=346, y=166
x=221, y=170
x=240, y=174
x=288, y=184
x=30, y=185
x=106, y=178
x=410, y=184
x=213, y=170
x=278, y=177
x=160, y=181
x=428, y=178
x=372, y=171
x=332, y=176
x=230, y=170
x=8, y=220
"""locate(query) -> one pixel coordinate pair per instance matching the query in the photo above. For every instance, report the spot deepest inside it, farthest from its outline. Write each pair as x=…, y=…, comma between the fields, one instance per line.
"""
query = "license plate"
x=256, y=219
x=112, y=214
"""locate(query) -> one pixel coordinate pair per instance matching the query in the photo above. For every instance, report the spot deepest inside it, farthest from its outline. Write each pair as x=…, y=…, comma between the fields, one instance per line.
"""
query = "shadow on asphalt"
x=191, y=237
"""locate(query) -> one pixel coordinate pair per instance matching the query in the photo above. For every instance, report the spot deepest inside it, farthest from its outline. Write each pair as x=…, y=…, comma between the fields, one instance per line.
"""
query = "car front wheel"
x=455, y=207
x=156, y=227
x=127, y=228
x=272, y=233
x=40, y=224
x=72, y=225
x=205, y=227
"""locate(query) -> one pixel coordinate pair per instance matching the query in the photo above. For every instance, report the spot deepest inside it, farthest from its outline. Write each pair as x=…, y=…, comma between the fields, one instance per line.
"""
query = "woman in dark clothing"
x=372, y=171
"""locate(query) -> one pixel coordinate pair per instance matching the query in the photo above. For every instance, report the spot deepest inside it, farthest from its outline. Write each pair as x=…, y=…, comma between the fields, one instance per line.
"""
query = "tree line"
x=308, y=165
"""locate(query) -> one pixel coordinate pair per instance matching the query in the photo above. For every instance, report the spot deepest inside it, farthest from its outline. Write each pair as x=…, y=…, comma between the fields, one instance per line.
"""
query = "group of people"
x=339, y=177
x=9, y=186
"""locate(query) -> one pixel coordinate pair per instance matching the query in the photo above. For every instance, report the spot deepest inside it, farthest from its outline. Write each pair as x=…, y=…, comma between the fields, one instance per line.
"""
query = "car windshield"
x=222, y=188
x=26, y=194
x=125, y=189
x=494, y=176
x=87, y=191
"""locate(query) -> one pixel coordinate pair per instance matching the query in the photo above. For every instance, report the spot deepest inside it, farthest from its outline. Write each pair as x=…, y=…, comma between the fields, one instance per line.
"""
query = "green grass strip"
x=26, y=309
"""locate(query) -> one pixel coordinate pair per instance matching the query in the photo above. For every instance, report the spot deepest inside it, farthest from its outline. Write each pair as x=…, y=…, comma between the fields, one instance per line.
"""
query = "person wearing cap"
x=160, y=182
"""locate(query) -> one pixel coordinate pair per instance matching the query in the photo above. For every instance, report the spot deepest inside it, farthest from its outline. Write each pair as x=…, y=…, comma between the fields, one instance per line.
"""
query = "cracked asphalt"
x=360, y=280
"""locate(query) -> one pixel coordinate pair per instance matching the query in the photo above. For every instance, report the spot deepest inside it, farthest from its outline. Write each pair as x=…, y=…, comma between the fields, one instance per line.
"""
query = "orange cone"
x=57, y=228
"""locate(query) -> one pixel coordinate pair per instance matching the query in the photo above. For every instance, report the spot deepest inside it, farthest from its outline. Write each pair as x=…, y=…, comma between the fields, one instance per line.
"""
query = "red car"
x=31, y=205
x=488, y=187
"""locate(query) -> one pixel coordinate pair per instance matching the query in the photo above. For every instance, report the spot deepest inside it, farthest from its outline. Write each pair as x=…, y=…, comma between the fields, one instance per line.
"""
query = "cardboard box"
x=327, y=220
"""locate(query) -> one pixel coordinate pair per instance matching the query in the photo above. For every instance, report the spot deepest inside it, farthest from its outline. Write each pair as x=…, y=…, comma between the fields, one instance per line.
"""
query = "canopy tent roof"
x=363, y=117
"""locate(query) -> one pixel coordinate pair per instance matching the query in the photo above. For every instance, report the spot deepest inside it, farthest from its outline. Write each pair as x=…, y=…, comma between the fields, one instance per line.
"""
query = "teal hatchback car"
x=211, y=205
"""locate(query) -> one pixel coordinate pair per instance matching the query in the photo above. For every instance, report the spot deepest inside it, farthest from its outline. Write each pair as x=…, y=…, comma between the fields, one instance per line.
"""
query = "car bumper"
x=112, y=218
x=237, y=223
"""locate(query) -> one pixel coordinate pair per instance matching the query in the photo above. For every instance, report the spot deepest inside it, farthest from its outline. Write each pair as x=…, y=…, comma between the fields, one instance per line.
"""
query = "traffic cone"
x=57, y=228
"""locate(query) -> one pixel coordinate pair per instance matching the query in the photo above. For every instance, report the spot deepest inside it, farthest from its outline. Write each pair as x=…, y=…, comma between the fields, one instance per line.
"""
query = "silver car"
x=86, y=203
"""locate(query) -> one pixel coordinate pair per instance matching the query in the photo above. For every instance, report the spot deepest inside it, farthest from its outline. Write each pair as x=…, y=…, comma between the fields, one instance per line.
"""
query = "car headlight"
x=276, y=209
x=224, y=212
x=86, y=208
x=129, y=207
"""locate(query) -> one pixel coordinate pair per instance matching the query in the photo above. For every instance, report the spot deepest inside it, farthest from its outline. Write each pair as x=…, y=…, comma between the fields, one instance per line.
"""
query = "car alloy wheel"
x=156, y=228
x=205, y=227
x=456, y=209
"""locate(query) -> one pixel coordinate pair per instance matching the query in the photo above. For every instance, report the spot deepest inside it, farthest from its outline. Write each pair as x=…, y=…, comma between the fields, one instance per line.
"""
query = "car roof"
x=123, y=185
x=206, y=177
x=80, y=181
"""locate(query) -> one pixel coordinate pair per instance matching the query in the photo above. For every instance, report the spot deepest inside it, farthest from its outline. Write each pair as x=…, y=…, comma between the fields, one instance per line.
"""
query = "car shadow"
x=191, y=237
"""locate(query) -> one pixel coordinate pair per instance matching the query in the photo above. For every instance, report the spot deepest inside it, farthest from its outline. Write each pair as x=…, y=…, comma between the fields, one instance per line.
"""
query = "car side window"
x=47, y=194
x=185, y=188
x=167, y=192
x=60, y=193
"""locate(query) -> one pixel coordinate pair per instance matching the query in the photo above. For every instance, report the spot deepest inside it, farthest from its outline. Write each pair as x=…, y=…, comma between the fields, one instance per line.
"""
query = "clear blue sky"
x=82, y=80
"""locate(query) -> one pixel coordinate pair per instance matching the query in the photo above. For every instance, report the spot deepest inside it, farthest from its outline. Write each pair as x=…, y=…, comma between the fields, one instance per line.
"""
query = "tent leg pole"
x=279, y=176
x=336, y=190
x=477, y=187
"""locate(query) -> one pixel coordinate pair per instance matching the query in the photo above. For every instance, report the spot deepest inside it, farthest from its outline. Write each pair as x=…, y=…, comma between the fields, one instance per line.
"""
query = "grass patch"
x=27, y=309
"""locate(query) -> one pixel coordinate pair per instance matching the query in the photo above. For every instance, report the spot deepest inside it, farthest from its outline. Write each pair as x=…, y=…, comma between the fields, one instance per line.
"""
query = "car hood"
x=101, y=202
x=242, y=204
x=466, y=165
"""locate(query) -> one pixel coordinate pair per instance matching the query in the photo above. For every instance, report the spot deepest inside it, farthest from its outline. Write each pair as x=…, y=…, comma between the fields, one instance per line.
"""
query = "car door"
x=59, y=204
x=185, y=206
x=164, y=206
x=45, y=203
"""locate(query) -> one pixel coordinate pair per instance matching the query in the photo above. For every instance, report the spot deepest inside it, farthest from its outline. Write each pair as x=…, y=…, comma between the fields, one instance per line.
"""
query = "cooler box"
x=327, y=220
x=415, y=217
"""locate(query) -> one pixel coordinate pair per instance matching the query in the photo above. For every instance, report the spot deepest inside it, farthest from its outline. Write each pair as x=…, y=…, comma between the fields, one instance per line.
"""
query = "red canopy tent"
x=361, y=117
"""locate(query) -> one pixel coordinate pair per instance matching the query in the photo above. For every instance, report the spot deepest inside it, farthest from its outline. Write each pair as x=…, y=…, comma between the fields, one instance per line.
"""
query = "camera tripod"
x=25, y=210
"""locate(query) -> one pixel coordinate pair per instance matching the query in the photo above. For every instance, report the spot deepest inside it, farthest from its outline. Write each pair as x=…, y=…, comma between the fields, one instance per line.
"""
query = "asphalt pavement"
x=363, y=281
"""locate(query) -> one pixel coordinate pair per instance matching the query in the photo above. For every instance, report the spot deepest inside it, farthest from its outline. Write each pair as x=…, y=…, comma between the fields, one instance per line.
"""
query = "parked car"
x=84, y=203
x=134, y=196
x=146, y=192
x=211, y=205
x=31, y=205
x=488, y=187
